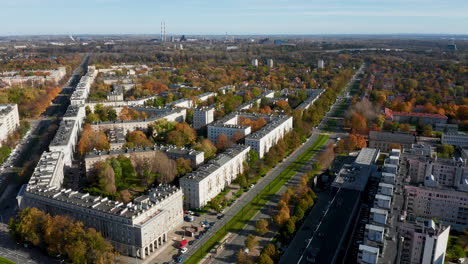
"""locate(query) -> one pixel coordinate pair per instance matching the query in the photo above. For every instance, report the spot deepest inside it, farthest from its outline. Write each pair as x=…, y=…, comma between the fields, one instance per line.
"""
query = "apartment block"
x=9, y=120
x=203, y=184
x=450, y=207
x=423, y=242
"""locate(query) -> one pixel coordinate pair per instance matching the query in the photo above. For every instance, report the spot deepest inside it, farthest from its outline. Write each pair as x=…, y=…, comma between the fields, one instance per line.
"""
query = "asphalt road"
x=298, y=246
x=251, y=194
x=228, y=255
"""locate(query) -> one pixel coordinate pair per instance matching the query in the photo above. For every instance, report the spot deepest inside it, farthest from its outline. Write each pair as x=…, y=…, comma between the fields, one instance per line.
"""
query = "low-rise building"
x=116, y=138
x=456, y=139
x=378, y=216
x=446, y=128
x=195, y=157
x=415, y=118
x=368, y=254
x=384, y=140
x=203, y=184
x=35, y=76
x=176, y=115
x=9, y=120
x=383, y=201
x=374, y=233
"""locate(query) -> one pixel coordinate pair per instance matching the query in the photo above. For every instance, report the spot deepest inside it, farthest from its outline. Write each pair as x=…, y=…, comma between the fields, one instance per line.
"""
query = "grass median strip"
x=249, y=210
x=6, y=261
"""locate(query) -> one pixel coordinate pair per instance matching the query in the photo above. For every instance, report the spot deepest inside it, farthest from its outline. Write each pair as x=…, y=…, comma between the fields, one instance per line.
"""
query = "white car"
x=183, y=250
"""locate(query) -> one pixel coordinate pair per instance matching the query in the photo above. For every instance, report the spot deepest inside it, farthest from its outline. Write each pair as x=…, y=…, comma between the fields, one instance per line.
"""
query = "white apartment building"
x=77, y=113
x=80, y=95
x=270, y=63
x=136, y=229
x=66, y=139
x=255, y=62
x=209, y=180
x=205, y=96
x=49, y=170
x=182, y=103
x=450, y=207
x=12, y=78
x=202, y=117
x=320, y=64
x=423, y=242
x=176, y=115
x=9, y=120
x=262, y=140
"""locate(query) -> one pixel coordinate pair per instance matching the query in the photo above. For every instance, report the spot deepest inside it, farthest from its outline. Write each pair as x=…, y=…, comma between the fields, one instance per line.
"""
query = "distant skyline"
x=239, y=17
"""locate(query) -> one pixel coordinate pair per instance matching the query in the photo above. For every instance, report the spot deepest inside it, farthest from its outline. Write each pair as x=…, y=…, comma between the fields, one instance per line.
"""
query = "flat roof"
x=367, y=156
x=375, y=228
x=383, y=197
x=353, y=177
x=379, y=211
x=387, y=185
x=369, y=249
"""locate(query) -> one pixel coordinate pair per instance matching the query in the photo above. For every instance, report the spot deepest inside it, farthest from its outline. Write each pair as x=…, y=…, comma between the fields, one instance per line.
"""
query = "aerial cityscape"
x=242, y=132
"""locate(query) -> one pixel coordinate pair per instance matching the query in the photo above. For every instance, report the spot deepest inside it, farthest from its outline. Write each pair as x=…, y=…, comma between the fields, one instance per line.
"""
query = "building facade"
x=423, y=242
x=383, y=140
x=448, y=206
x=136, y=229
x=9, y=120
x=209, y=180
x=456, y=139
x=195, y=157
x=202, y=117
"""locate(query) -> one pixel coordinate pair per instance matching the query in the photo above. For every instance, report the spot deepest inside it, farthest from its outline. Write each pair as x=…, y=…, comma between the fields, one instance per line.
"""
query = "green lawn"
x=6, y=261
x=240, y=219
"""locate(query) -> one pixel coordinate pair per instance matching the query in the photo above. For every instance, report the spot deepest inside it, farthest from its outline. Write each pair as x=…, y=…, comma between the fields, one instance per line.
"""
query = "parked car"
x=220, y=216
x=189, y=218
x=180, y=259
x=183, y=250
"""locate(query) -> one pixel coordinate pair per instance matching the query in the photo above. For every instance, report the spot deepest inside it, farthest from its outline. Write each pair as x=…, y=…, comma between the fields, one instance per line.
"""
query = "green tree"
x=251, y=242
x=262, y=226
x=265, y=259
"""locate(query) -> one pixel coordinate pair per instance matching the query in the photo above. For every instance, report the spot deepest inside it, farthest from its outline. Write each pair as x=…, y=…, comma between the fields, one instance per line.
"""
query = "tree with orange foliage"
x=405, y=127
x=183, y=134
x=359, y=123
x=259, y=123
x=138, y=139
x=91, y=140
x=283, y=215
x=266, y=110
x=223, y=142
x=283, y=105
x=237, y=136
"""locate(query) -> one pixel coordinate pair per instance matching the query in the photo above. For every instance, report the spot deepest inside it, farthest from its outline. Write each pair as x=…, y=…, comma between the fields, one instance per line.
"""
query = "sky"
x=236, y=17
